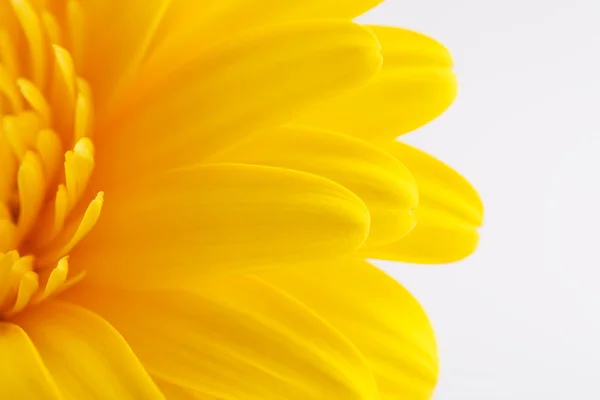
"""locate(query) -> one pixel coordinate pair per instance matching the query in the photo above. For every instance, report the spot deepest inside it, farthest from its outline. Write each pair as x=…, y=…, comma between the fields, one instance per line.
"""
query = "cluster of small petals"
x=22, y=285
x=46, y=157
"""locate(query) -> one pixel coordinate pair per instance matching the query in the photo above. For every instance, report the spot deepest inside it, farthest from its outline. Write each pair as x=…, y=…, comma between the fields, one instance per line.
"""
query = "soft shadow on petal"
x=448, y=217
x=415, y=85
x=381, y=318
x=385, y=185
x=85, y=355
x=218, y=218
x=235, y=338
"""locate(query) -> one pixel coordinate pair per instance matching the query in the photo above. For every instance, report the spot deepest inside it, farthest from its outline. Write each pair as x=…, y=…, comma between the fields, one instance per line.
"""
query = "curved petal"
x=448, y=217
x=22, y=371
x=216, y=20
x=219, y=218
x=385, y=186
x=235, y=338
x=251, y=84
x=86, y=356
x=415, y=85
x=379, y=316
x=438, y=238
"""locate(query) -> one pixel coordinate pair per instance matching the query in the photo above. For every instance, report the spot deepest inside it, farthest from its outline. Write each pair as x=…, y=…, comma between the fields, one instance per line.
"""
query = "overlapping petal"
x=235, y=338
x=385, y=185
x=247, y=85
x=245, y=174
x=23, y=374
x=86, y=357
x=381, y=318
x=448, y=217
x=218, y=20
x=416, y=84
x=215, y=218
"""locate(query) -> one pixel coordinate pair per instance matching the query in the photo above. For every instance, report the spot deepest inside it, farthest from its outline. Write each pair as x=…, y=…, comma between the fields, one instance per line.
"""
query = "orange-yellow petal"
x=218, y=218
x=415, y=85
x=250, y=84
x=22, y=371
x=86, y=356
x=235, y=338
x=448, y=217
x=115, y=36
x=385, y=185
x=381, y=318
x=173, y=391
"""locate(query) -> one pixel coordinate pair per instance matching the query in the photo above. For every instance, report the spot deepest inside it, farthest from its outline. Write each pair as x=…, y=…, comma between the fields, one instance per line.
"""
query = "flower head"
x=189, y=191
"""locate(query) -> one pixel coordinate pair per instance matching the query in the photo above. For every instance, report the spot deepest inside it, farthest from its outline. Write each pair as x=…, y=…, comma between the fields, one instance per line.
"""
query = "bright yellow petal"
x=219, y=218
x=379, y=316
x=415, y=85
x=113, y=40
x=252, y=84
x=383, y=184
x=450, y=212
x=235, y=338
x=86, y=356
x=22, y=372
x=193, y=24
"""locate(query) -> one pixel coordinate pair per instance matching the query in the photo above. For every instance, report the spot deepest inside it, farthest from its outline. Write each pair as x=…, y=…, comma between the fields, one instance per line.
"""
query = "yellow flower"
x=206, y=178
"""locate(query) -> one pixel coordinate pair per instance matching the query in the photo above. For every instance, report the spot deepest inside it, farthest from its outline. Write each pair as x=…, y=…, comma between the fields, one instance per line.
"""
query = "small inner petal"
x=46, y=154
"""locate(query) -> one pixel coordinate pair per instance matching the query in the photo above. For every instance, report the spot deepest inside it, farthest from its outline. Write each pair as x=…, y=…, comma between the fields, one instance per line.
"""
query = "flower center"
x=46, y=154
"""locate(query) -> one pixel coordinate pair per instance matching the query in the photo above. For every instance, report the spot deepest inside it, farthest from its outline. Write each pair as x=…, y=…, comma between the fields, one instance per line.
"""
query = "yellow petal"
x=219, y=218
x=383, y=320
x=415, y=85
x=8, y=166
x=177, y=392
x=235, y=338
x=197, y=25
x=379, y=179
x=86, y=356
x=254, y=83
x=450, y=212
x=111, y=53
x=22, y=371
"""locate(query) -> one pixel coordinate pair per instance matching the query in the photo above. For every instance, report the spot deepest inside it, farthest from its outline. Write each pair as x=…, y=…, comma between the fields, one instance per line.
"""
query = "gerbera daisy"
x=189, y=191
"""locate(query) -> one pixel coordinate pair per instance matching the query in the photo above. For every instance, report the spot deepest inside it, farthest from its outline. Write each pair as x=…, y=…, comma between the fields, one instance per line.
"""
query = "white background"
x=520, y=320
